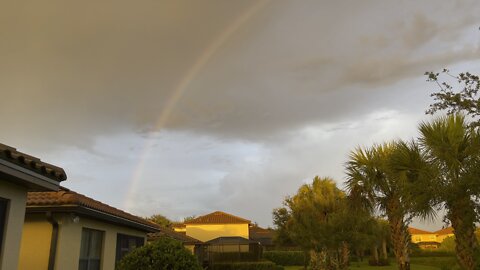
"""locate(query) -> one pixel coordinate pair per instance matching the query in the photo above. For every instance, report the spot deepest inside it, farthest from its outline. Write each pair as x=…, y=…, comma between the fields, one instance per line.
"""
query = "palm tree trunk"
x=400, y=236
x=461, y=215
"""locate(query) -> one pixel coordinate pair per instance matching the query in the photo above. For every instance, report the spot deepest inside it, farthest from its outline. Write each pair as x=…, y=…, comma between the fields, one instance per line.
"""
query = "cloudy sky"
x=186, y=107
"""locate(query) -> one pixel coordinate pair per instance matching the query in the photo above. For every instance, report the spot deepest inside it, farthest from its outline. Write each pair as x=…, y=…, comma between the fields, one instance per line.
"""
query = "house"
x=67, y=230
x=261, y=235
x=215, y=225
x=20, y=173
x=429, y=240
x=424, y=239
x=225, y=237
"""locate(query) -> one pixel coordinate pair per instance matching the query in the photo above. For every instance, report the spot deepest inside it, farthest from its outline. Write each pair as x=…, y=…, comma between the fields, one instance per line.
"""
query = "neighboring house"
x=424, y=239
x=67, y=230
x=429, y=240
x=263, y=236
x=20, y=173
x=225, y=237
x=215, y=225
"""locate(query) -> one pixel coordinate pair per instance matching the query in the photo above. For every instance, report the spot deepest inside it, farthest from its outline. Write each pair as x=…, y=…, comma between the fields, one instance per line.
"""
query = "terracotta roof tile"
x=31, y=163
x=67, y=198
x=412, y=230
x=218, y=217
x=448, y=230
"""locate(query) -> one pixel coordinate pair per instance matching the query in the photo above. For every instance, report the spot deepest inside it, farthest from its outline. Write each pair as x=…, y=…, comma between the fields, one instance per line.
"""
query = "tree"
x=465, y=99
x=160, y=220
x=281, y=216
x=377, y=178
x=164, y=253
x=452, y=148
x=318, y=222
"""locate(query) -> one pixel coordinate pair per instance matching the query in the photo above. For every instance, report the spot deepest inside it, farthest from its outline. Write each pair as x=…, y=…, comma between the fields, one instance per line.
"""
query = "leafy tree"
x=379, y=180
x=160, y=220
x=165, y=253
x=281, y=216
x=463, y=98
x=189, y=218
x=319, y=222
x=452, y=148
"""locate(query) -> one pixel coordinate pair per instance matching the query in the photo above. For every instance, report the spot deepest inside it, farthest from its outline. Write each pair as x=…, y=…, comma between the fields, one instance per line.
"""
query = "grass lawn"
x=365, y=266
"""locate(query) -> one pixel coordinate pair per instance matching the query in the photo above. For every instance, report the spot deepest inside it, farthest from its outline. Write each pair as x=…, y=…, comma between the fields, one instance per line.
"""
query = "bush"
x=164, y=253
x=285, y=258
x=263, y=265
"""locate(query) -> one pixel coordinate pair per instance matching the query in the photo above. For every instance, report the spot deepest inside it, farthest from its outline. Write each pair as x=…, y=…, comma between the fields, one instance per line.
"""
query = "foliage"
x=379, y=262
x=281, y=216
x=452, y=149
x=285, y=258
x=160, y=220
x=263, y=265
x=448, y=244
x=164, y=253
x=189, y=218
x=320, y=222
x=465, y=99
x=379, y=179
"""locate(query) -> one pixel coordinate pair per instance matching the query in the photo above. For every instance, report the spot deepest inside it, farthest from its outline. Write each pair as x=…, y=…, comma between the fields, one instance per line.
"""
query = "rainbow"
x=179, y=91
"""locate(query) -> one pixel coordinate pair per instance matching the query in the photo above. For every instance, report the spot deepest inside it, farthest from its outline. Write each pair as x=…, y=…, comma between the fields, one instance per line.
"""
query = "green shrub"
x=263, y=265
x=443, y=262
x=285, y=258
x=164, y=253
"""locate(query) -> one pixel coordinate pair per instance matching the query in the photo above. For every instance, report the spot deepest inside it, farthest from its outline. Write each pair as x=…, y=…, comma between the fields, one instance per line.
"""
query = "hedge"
x=164, y=253
x=263, y=265
x=285, y=258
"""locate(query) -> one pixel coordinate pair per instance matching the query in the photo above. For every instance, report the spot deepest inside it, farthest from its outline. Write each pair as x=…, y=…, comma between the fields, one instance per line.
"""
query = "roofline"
x=90, y=212
x=28, y=178
x=217, y=223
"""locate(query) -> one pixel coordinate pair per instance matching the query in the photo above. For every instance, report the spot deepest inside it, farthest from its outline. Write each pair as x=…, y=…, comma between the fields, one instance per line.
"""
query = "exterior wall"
x=69, y=241
x=13, y=224
x=417, y=238
x=36, y=238
x=208, y=232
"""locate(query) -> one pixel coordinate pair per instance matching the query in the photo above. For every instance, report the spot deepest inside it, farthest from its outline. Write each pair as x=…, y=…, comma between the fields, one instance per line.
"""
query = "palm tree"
x=452, y=148
x=374, y=178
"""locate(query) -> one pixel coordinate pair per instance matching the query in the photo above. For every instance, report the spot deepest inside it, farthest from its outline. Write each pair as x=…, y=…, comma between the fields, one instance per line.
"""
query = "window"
x=125, y=243
x=90, y=249
x=3, y=219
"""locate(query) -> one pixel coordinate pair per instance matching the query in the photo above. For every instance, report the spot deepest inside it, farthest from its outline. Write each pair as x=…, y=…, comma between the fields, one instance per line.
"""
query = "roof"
x=264, y=236
x=412, y=230
x=218, y=217
x=165, y=232
x=66, y=200
x=231, y=240
x=448, y=230
x=31, y=163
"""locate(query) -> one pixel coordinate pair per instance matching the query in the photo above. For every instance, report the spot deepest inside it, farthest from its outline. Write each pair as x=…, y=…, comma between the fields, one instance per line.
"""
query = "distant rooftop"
x=218, y=217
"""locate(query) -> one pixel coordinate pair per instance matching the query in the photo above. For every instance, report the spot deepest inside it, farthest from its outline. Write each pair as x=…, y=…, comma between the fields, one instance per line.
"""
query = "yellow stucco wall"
x=36, y=238
x=416, y=238
x=17, y=196
x=208, y=232
x=69, y=241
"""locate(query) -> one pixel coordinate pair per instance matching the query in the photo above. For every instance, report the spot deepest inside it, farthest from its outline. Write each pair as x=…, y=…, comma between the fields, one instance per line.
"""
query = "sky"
x=182, y=108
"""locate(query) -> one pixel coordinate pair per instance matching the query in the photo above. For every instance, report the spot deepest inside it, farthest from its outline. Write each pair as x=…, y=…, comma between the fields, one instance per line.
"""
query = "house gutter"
x=53, y=241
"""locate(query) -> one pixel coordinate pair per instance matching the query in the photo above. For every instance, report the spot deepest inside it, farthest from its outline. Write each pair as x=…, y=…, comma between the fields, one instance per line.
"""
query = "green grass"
x=365, y=266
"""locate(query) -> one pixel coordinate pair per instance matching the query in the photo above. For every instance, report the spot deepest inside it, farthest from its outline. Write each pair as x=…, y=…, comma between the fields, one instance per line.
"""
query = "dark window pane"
x=3, y=218
x=126, y=243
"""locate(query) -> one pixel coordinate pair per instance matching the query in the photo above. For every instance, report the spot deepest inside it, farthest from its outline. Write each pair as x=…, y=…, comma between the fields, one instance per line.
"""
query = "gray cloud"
x=83, y=85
